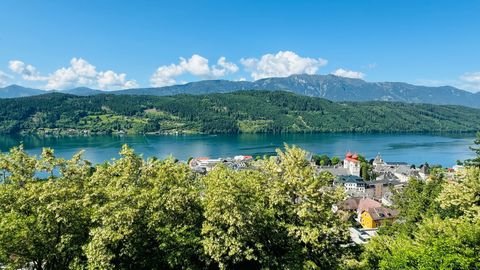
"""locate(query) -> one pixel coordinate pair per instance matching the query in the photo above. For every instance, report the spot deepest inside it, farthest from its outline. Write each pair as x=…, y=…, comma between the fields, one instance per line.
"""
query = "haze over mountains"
x=326, y=86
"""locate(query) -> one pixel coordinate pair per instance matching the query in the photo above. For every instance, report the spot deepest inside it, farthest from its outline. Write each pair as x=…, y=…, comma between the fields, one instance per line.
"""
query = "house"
x=354, y=185
x=364, y=204
x=376, y=216
x=458, y=168
x=399, y=170
x=352, y=164
x=349, y=205
x=242, y=158
x=204, y=163
x=357, y=205
x=382, y=184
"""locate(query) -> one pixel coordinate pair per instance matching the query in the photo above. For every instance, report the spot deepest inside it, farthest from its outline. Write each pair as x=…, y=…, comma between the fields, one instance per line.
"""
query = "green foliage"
x=43, y=220
x=146, y=214
x=243, y=111
x=417, y=199
x=322, y=160
x=303, y=203
x=335, y=160
x=476, y=149
x=439, y=228
x=278, y=218
x=238, y=225
x=436, y=244
x=133, y=213
x=462, y=197
x=366, y=169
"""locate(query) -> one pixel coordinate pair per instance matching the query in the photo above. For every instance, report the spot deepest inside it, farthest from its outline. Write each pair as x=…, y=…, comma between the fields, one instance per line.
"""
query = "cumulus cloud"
x=82, y=73
x=165, y=75
x=223, y=67
x=4, y=78
x=196, y=65
x=110, y=79
x=281, y=64
x=348, y=73
x=28, y=72
x=79, y=73
x=470, y=81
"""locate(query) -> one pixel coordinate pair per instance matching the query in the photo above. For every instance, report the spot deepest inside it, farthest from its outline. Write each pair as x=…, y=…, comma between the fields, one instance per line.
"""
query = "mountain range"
x=325, y=86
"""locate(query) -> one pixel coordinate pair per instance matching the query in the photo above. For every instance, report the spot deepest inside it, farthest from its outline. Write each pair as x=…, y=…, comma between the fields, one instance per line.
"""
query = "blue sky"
x=119, y=44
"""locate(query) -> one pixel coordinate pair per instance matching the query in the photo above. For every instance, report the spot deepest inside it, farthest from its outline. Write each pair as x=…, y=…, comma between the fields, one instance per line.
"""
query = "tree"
x=48, y=162
x=475, y=162
x=322, y=160
x=436, y=244
x=302, y=202
x=239, y=230
x=44, y=224
x=461, y=198
x=366, y=168
x=335, y=160
x=417, y=199
x=146, y=214
x=279, y=217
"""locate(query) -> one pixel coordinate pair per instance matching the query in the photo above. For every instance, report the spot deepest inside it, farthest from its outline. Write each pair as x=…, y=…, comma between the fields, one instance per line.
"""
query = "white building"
x=204, y=163
x=352, y=164
x=353, y=185
x=378, y=162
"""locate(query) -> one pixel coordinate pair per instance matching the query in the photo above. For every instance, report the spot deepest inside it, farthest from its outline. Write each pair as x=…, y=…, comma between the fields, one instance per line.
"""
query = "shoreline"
x=82, y=133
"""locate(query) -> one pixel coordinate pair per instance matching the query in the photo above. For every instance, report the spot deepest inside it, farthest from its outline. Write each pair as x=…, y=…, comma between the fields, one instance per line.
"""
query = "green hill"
x=237, y=112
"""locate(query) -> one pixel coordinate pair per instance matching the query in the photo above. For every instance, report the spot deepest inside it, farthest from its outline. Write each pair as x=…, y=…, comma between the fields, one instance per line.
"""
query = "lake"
x=411, y=148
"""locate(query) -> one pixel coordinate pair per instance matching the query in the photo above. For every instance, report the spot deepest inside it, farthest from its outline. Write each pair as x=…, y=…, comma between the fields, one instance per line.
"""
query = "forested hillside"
x=238, y=112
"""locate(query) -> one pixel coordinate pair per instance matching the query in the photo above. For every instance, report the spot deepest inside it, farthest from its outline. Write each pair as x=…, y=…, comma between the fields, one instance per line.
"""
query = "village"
x=369, y=191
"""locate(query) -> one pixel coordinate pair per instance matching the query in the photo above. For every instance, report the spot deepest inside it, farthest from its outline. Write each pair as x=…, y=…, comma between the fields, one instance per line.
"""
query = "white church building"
x=352, y=164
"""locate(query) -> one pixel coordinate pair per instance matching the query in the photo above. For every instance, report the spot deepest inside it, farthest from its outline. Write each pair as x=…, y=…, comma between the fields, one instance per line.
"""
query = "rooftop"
x=349, y=179
x=379, y=213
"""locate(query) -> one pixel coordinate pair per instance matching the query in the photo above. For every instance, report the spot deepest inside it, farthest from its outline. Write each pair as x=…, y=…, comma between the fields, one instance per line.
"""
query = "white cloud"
x=196, y=65
x=281, y=64
x=348, y=73
x=109, y=79
x=165, y=75
x=4, y=78
x=79, y=73
x=28, y=72
x=223, y=67
x=470, y=81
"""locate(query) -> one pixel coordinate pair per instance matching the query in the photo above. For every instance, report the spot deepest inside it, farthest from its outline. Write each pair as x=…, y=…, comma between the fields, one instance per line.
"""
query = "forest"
x=237, y=112
x=135, y=213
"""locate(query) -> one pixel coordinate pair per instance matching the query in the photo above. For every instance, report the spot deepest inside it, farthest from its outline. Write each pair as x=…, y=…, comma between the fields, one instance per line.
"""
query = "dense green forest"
x=133, y=213
x=238, y=112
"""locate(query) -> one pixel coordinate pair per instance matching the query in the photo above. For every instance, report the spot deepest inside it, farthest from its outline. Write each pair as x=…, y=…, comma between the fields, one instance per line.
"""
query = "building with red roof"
x=352, y=164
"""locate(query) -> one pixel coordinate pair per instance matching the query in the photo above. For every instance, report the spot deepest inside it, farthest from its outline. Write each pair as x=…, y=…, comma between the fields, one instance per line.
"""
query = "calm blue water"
x=415, y=149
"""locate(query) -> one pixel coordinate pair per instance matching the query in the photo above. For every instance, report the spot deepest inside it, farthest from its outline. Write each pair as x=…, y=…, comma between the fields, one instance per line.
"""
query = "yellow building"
x=374, y=217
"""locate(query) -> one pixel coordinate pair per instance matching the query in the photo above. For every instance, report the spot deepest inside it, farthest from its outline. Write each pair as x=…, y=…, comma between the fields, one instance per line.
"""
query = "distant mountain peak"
x=328, y=86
